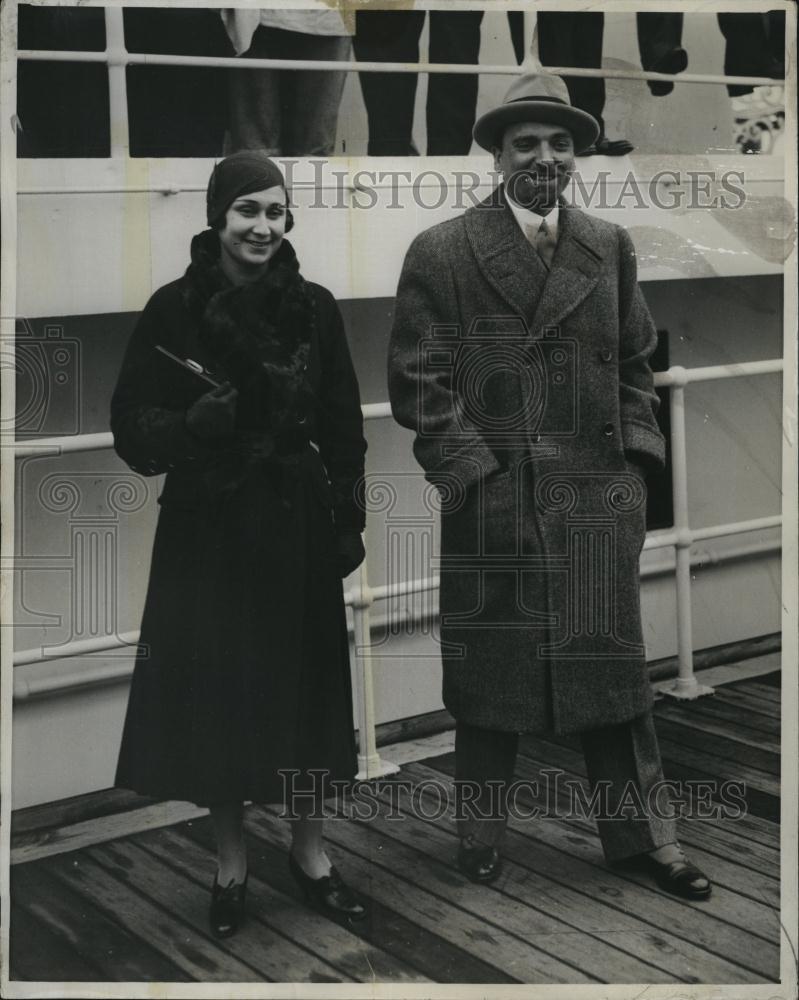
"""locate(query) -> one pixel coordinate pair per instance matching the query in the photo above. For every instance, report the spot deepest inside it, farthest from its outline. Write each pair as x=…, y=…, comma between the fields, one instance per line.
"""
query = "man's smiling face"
x=536, y=160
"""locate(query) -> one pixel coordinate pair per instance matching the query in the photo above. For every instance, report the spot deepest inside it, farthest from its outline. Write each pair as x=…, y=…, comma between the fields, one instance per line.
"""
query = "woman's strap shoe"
x=227, y=907
x=479, y=862
x=329, y=892
x=681, y=878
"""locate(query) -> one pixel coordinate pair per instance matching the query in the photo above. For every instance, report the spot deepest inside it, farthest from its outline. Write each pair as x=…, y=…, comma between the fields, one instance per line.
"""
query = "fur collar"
x=257, y=334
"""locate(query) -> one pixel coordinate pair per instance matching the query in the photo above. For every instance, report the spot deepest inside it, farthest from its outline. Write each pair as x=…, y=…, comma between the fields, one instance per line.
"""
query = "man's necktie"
x=545, y=243
x=542, y=240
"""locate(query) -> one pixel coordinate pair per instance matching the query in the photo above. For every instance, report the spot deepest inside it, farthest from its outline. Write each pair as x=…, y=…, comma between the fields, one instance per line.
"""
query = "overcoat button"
x=606, y=354
x=607, y=430
x=302, y=421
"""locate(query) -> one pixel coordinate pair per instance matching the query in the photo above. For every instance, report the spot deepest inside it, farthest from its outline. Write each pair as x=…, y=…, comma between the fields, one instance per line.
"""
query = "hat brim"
x=489, y=127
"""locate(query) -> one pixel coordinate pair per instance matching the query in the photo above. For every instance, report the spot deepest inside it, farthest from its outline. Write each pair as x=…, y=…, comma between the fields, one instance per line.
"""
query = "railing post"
x=117, y=81
x=532, y=62
x=370, y=764
x=685, y=687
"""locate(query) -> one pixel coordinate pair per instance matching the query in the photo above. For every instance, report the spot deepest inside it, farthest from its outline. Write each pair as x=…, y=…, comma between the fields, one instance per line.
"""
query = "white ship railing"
x=117, y=58
x=361, y=596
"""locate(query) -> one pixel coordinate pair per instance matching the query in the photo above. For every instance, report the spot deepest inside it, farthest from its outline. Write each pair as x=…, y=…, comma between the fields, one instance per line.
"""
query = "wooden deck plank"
x=337, y=945
x=39, y=954
x=612, y=941
x=719, y=838
x=195, y=954
x=747, y=754
x=75, y=809
x=424, y=900
x=737, y=735
x=748, y=702
x=713, y=764
x=43, y=843
x=773, y=678
x=769, y=692
x=393, y=933
x=189, y=900
x=119, y=955
x=726, y=915
x=733, y=714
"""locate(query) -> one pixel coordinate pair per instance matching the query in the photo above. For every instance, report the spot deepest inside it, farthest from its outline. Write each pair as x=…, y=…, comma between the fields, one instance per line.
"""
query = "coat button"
x=606, y=354
x=607, y=430
x=302, y=421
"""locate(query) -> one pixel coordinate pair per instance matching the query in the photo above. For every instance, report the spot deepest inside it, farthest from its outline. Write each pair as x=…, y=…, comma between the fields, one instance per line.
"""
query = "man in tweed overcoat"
x=519, y=356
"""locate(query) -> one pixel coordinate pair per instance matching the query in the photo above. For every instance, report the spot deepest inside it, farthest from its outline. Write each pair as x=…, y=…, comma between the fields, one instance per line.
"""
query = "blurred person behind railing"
x=62, y=108
x=393, y=36
x=755, y=46
x=286, y=112
x=575, y=39
x=176, y=110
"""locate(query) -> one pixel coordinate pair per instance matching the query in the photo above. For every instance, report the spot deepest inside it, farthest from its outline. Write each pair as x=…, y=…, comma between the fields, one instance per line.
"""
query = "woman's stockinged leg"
x=311, y=867
x=228, y=820
x=307, y=846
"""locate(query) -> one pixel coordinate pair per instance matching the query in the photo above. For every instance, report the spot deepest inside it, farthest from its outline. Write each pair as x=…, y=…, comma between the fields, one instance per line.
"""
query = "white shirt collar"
x=525, y=217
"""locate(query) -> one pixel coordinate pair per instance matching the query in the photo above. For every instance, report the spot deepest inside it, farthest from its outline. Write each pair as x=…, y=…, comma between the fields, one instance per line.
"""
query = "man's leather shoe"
x=681, y=878
x=673, y=61
x=479, y=862
x=608, y=147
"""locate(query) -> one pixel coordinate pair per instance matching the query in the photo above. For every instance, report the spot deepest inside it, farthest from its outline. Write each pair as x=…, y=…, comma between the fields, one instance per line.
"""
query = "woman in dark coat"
x=242, y=684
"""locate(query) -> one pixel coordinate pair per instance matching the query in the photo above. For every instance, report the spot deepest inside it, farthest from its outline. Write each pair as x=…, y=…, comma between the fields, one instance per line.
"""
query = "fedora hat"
x=534, y=98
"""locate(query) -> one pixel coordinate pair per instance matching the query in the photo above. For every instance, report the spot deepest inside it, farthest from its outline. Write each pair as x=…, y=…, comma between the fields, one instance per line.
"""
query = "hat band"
x=553, y=100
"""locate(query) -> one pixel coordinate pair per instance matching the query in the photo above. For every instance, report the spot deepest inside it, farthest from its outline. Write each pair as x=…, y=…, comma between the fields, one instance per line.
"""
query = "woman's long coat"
x=533, y=405
x=243, y=666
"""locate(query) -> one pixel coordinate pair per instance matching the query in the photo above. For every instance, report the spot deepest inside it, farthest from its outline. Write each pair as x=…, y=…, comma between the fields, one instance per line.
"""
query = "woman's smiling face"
x=253, y=231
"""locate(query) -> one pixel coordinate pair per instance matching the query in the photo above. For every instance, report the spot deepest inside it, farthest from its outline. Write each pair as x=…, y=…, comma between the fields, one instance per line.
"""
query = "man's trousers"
x=393, y=36
x=623, y=763
x=288, y=112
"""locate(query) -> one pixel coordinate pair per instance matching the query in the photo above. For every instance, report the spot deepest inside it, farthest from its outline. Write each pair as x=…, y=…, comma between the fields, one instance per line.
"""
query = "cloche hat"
x=238, y=174
x=536, y=98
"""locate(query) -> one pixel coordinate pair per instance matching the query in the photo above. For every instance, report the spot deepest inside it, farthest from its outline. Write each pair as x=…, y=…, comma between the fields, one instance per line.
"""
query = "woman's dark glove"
x=213, y=415
x=350, y=552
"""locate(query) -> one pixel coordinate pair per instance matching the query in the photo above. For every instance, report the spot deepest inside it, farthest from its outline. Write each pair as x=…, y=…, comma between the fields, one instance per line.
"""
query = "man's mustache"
x=530, y=187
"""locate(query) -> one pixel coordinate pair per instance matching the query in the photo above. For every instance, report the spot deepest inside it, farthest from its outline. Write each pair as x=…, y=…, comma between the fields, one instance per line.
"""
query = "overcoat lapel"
x=504, y=256
x=510, y=264
x=575, y=269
